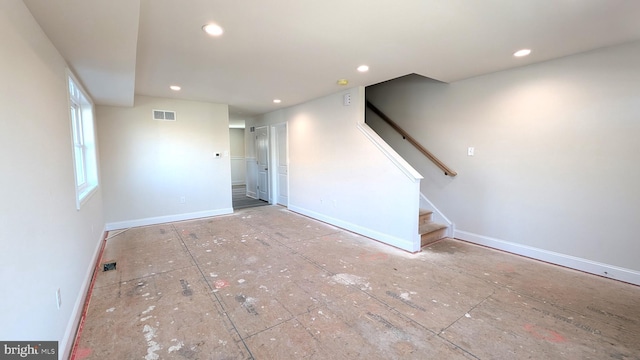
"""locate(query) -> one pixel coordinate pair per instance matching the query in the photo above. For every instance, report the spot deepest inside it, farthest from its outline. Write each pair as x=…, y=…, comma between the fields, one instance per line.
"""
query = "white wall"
x=45, y=242
x=338, y=175
x=556, y=156
x=148, y=165
x=238, y=167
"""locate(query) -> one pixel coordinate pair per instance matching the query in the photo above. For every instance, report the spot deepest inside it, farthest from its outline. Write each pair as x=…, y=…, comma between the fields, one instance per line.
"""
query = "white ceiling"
x=296, y=50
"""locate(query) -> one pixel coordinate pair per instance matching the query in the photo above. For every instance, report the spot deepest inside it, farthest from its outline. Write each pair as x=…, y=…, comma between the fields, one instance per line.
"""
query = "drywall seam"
x=589, y=266
x=391, y=154
x=404, y=244
x=166, y=219
x=66, y=345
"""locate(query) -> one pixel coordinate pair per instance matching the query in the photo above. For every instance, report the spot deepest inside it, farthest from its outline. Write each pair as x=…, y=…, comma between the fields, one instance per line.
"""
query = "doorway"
x=239, y=195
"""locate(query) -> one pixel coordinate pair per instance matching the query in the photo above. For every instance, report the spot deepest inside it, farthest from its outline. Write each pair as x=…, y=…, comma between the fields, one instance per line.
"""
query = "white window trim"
x=84, y=108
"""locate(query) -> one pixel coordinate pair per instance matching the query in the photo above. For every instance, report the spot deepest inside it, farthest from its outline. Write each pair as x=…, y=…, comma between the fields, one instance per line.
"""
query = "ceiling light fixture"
x=363, y=68
x=521, y=53
x=277, y=101
x=175, y=87
x=213, y=29
x=342, y=82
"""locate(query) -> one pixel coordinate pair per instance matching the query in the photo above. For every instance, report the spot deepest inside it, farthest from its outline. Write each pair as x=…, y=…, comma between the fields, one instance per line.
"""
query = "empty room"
x=284, y=179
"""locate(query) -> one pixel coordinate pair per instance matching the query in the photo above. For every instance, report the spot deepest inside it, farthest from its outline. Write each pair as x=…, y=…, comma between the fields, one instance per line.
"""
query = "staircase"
x=430, y=232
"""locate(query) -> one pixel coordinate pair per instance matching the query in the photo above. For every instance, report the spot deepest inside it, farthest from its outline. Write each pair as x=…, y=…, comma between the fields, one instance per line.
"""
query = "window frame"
x=83, y=140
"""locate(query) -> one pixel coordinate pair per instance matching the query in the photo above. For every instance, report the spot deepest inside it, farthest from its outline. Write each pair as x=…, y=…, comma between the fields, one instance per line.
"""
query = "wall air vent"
x=164, y=115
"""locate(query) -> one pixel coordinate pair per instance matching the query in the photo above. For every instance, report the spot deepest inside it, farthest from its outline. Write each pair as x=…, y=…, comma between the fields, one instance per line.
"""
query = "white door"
x=262, y=154
x=282, y=165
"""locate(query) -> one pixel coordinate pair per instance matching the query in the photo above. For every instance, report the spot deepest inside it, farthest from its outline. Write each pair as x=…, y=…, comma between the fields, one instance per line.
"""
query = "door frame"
x=268, y=165
x=275, y=180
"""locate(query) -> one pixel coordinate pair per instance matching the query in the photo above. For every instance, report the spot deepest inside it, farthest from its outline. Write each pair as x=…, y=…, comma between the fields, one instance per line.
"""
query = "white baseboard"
x=165, y=219
x=589, y=266
x=66, y=345
x=252, y=194
x=385, y=238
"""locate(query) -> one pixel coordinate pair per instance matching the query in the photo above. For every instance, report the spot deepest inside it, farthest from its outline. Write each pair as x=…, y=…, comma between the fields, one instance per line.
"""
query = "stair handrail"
x=447, y=170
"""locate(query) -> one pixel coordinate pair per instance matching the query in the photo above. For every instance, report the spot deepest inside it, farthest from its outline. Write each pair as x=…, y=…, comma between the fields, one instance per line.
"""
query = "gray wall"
x=236, y=139
x=557, y=148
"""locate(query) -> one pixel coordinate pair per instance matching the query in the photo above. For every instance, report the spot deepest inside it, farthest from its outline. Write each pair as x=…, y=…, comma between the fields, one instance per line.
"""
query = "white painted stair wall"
x=341, y=172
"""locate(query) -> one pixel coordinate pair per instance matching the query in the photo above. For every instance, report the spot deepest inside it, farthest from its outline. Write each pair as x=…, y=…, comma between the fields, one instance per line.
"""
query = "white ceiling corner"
x=98, y=40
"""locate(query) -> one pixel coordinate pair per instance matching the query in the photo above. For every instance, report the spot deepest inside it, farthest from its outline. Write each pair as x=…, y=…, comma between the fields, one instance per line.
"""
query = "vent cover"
x=109, y=266
x=164, y=115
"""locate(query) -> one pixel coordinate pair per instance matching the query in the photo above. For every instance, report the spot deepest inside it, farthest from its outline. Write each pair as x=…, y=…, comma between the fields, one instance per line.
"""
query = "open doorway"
x=268, y=170
x=239, y=194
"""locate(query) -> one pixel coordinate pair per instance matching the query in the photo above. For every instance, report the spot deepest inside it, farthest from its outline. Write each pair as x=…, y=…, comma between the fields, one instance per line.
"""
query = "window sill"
x=85, y=195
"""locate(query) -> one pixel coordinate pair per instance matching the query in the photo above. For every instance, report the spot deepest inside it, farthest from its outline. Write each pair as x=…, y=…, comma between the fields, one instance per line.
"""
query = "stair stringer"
x=437, y=215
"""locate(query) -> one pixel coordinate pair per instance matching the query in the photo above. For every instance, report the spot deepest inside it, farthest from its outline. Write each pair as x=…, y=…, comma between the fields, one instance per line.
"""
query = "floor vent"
x=109, y=266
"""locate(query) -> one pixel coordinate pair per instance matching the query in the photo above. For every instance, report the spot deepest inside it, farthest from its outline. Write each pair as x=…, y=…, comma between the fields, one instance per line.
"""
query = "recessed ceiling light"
x=175, y=87
x=363, y=68
x=521, y=53
x=342, y=82
x=213, y=29
x=277, y=101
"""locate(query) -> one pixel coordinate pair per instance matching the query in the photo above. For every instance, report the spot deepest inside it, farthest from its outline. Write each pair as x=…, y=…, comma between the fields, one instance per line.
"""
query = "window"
x=84, y=144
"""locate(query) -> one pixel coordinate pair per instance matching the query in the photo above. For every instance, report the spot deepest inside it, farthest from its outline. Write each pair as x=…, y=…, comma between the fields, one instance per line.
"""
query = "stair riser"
x=431, y=237
x=424, y=218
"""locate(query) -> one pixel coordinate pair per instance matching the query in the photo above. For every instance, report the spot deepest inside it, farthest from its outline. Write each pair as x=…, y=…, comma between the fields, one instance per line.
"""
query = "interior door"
x=262, y=155
x=282, y=165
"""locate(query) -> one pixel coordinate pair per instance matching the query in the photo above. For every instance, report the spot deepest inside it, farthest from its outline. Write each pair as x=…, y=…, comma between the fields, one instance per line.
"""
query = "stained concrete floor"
x=266, y=283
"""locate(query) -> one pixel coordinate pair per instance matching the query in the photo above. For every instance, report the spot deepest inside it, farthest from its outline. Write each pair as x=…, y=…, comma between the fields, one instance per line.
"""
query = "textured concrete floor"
x=266, y=283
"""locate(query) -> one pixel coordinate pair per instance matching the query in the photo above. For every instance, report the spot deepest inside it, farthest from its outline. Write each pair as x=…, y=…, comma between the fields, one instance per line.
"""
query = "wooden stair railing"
x=447, y=171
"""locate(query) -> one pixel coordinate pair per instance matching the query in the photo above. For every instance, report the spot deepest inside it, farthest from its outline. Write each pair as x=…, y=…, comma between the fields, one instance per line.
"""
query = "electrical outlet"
x=471, y=151
x=58, y=299
x=183, y=199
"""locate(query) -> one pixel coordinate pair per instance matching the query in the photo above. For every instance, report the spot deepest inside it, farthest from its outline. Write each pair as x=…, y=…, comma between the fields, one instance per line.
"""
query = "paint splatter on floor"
x=152, y=346
x=349, y=279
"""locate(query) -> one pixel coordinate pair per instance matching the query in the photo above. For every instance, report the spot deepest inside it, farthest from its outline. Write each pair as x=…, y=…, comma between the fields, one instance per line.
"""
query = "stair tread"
x=430, y=227
x=425, y=212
